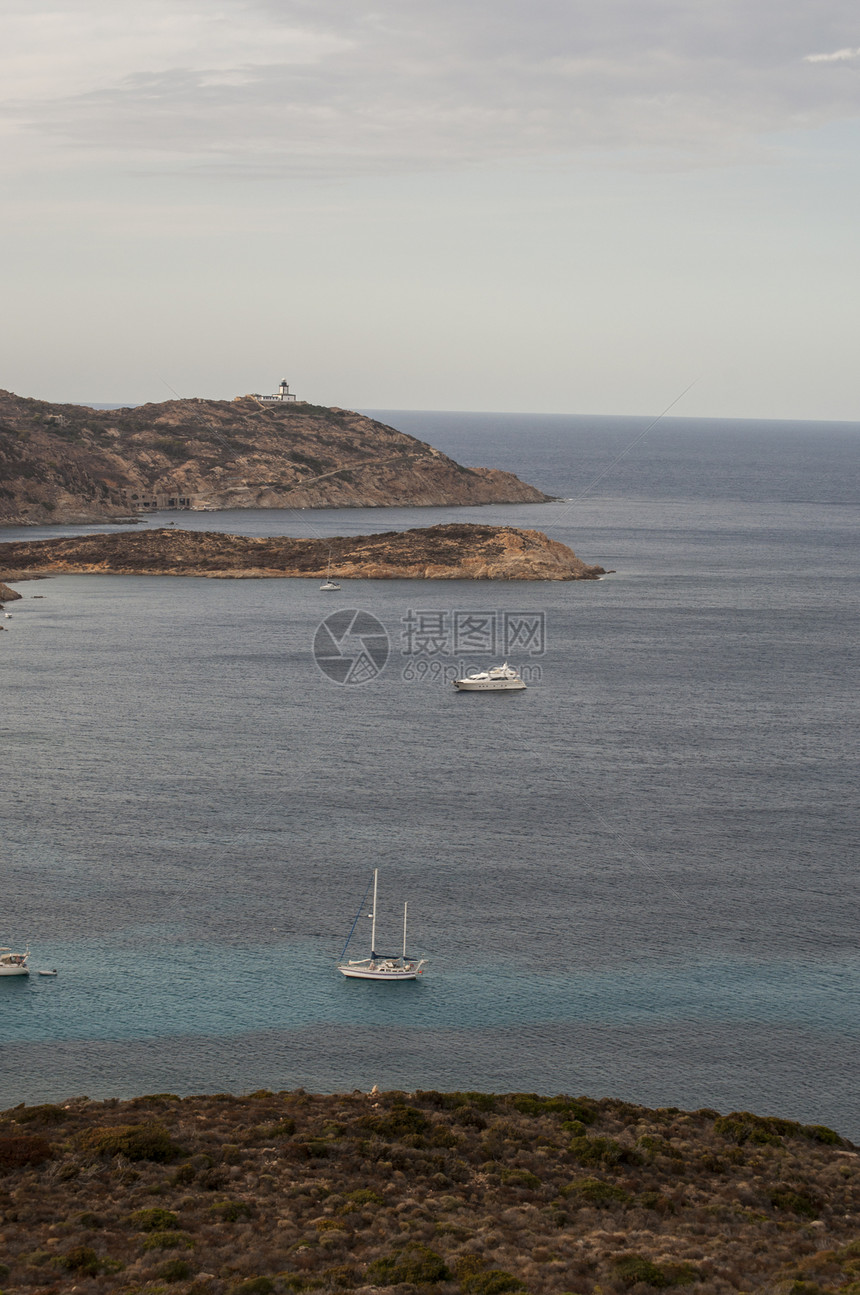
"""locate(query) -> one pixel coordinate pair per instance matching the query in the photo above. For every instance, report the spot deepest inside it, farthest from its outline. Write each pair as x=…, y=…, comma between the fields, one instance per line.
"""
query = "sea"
x=637, y=878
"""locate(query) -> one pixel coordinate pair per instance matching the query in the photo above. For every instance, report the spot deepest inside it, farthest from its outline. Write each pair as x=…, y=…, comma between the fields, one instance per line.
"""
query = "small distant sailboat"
x=328, y=583
x=380, y=966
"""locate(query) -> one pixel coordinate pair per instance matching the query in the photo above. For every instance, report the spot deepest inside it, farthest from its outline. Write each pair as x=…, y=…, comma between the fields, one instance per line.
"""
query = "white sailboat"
x=381, y=966
x=328, y=583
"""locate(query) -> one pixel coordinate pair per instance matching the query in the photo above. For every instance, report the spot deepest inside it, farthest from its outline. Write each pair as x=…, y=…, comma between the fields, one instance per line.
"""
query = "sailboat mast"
x=405, y=906
x=373, y=927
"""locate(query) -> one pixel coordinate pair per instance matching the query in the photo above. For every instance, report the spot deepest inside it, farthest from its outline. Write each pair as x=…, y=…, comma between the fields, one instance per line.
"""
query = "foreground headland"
x=451, y=552
x=73, y=464
x=459, y=1193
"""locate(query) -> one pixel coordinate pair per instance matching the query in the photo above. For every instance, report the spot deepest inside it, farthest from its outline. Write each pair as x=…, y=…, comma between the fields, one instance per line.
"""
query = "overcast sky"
x=541, y=205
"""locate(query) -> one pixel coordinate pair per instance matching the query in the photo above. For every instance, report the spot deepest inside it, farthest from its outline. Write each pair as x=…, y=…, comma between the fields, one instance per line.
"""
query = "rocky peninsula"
x=457, y=551
x=461, y=1193
x=73, y=464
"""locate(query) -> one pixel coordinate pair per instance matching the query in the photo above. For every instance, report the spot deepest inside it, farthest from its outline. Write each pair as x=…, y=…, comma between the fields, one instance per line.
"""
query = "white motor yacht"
x=499, y=678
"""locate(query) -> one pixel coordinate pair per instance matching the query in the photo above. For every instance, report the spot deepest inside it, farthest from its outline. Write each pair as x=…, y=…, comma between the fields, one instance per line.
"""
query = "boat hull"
x=489, y=685
x=364, y=973
x=14, y=971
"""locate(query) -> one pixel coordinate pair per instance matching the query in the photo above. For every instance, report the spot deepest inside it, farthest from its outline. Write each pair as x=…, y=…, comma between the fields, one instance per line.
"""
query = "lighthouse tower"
x=283, y=394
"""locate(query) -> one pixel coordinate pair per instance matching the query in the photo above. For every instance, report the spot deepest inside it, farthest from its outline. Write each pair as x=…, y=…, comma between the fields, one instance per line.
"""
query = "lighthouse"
x=282, y=395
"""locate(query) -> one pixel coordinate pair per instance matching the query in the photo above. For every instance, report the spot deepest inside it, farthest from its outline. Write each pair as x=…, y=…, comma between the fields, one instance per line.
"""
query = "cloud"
x=338, y=86
x=838, y=56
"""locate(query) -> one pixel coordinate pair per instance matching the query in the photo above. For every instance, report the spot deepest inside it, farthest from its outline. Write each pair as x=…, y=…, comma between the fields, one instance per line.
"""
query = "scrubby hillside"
x=70, y=463
x=450, y=1193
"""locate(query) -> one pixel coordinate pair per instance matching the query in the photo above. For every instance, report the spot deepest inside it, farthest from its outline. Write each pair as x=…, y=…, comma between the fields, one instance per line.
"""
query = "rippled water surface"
x=636, y=878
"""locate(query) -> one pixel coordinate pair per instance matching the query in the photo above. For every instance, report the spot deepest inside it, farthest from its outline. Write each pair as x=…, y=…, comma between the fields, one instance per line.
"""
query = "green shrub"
x=491, y=1281
x=231, y=1211
x=256, y=1286
x=469, y=1117
x=681, y=1274
x=90, y=1220
x=284, y=1128
x=134, y=1141
x=795, y=1203
x=312, y=1149
x=153, y=1220
x=341, y=1278
x=594, y=1191
x=414, y=1263
x=175, y=1270
x=520, y=1178
x=442, y=1137
x=601, y=1151
x=362, y=1196
x=47, y=1114
x=569, y=1107
x=658, y=1147
x=631, y=1269
x=17, y=1151
x=821, y=1133
x=467, y=1265
x=80, y=1259
x=399, y=1121
x=655, y=1201
x=761, y=1130
x=168, y=1241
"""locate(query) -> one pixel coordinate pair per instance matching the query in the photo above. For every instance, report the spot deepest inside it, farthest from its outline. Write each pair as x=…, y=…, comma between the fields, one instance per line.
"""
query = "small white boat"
x=14, y=964
x=380, y=966
x=499, y=678
x=328, y=583
x=52, y=972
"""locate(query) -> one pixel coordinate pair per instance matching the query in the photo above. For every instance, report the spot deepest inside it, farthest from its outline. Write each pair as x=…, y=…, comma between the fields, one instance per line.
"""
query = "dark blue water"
x=637, y=878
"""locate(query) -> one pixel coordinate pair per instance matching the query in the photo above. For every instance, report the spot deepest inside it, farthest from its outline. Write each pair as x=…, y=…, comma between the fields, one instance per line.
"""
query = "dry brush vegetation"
x=420, y=1194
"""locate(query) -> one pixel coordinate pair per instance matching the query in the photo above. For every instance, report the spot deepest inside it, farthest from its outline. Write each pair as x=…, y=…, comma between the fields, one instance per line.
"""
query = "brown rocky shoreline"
x=457, y=551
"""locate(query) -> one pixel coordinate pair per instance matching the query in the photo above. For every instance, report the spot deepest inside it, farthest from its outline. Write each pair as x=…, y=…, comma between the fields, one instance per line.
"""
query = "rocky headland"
x=423, y=1193
x=450, y=552
x=73, y=464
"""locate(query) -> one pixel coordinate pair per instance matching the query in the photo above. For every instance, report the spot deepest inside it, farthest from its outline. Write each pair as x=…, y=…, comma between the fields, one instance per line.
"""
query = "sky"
x=520, y=205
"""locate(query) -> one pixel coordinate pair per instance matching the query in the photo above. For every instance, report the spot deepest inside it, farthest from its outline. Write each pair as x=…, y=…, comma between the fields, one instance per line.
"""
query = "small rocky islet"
x=456, y=551
x=423, y=1193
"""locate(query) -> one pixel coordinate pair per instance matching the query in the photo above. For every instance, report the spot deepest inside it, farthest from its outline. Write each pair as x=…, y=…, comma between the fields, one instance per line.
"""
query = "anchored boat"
x=14, y=964
x=499, y=678
x=380, y=966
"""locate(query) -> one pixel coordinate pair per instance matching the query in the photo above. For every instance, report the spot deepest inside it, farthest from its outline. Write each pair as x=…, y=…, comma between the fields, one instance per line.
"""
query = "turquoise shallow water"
x=636, y=878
